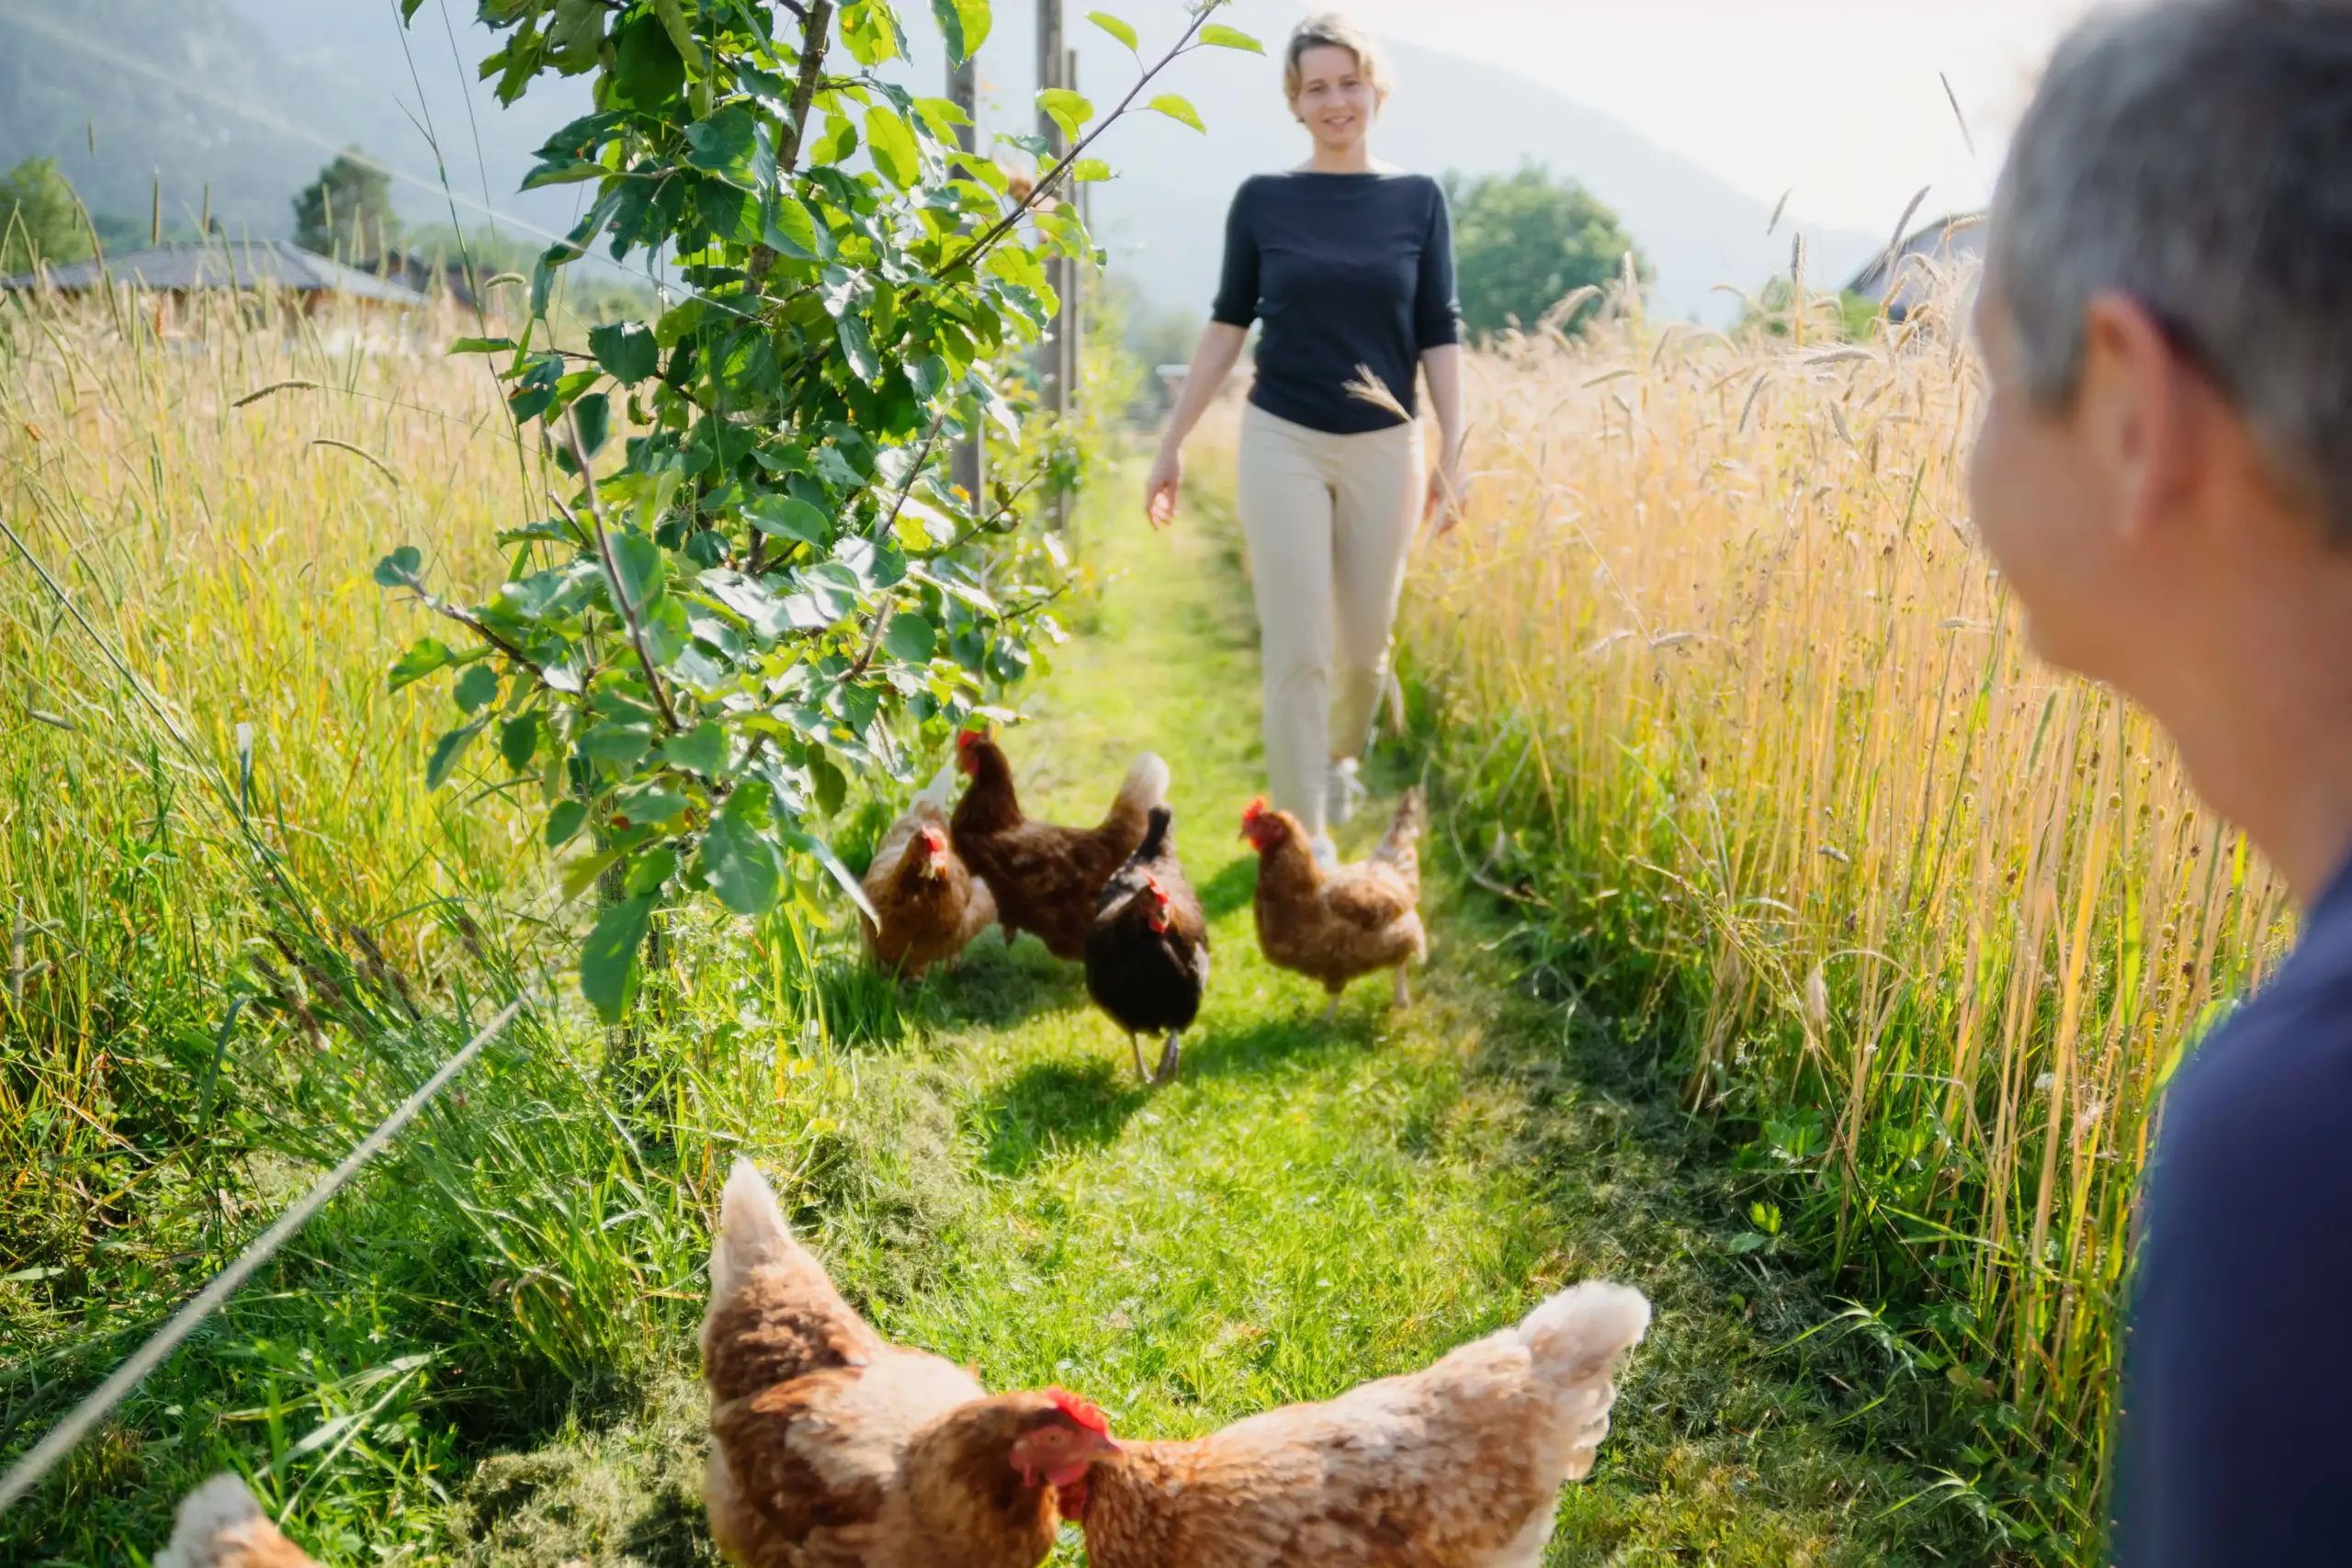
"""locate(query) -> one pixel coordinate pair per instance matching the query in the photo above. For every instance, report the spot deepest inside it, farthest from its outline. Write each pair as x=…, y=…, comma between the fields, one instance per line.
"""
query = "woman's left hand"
x=1449, y=488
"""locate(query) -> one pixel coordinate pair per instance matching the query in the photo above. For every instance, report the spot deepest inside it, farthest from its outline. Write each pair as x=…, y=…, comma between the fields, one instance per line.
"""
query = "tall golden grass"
x=1727, y=692
x=204, y=688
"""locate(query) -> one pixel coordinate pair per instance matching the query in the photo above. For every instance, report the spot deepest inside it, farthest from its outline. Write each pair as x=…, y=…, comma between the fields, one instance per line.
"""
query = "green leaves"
x=1179, y=109
x=625, y=351
x=426, y=656
x=892, y=142
x=737, y=860
x=910, y=637
x=1115, y=27
x=639, y=567
x=648, y=70
x=963, y=24
x=1221, y=36
x=788, y=516
x=402, y=568
x=775, y=588
x=1069, y=109
x=608, y=960
x=443, y=758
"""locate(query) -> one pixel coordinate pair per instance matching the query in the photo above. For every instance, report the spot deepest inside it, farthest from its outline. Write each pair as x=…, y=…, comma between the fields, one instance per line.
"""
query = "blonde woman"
x=1348, y=262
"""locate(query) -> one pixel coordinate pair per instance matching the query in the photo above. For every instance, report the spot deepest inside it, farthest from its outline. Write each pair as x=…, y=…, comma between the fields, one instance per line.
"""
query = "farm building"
x=428, y=274
x=260, y=266
x=1927, y=254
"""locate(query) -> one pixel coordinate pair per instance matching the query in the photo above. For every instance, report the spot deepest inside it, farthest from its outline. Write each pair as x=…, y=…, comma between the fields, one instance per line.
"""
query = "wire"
x=62, y=1436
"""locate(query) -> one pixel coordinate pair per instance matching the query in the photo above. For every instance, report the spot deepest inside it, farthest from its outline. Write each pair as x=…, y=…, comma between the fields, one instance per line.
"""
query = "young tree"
x=40, y=217
x=347, y=211
x=1524, y=242
x=754, y=576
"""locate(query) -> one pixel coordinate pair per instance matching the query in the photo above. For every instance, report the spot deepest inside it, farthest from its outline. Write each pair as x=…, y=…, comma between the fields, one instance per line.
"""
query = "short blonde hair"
x=1329, y=30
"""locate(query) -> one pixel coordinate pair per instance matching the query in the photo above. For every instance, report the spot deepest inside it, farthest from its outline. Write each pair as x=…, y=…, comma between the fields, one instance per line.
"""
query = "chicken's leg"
x=1404, y=996
x=1332, y=1012
x=1141, y=1071
x=1169, y=1056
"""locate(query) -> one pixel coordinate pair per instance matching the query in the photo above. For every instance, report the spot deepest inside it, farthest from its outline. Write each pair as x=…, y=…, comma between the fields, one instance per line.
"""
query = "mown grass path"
x=1311, y=1205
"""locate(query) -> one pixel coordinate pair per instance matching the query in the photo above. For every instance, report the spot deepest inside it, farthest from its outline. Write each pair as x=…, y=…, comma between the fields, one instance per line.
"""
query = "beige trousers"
x=1329, y=520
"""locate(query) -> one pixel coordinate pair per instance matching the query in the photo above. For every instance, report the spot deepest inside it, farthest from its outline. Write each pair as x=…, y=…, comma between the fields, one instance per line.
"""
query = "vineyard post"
x=1053, y=350
x=968, y=463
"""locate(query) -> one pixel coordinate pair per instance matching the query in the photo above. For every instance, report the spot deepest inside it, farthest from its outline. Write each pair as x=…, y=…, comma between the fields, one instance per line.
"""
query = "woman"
x=1349, y=262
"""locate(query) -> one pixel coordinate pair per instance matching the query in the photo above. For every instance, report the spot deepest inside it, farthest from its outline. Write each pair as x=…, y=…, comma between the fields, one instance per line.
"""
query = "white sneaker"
x=1326, y=852
x=1342, y=791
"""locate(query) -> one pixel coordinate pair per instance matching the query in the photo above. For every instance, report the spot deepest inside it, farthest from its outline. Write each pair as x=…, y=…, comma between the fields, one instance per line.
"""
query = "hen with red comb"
x=1147, y=951
x=1046, y=876
x=929, y=902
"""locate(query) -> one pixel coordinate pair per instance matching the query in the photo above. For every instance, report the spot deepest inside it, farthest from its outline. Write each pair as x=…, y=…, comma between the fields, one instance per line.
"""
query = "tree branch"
x=612, y=574
x=1006, y=224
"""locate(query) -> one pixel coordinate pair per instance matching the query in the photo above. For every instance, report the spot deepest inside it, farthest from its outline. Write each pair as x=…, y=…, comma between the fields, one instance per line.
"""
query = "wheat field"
x=1727, y=697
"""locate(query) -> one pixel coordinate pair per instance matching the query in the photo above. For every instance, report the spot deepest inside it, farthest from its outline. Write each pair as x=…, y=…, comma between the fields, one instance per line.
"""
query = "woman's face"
x=1335, y=100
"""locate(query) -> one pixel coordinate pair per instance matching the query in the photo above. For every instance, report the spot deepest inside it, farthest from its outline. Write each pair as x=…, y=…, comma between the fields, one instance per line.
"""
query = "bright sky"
x=1836, y=99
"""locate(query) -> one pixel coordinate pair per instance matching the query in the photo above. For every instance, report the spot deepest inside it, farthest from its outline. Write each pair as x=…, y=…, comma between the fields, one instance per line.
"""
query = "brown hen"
x=1045, y=878
x=930, y=903
x=1336, y=925
x=1456, y=1466
x=832, y=1447
x=220, y=1525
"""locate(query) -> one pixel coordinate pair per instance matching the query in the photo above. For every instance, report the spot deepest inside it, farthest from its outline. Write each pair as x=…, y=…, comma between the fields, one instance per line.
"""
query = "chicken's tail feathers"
x=1573, y=1339
x=932, y=799
x=1577, y=1333
x=751, y=1231
x=1399, y=844
x=220, y=1525
x=1155, y=833
x=1146, y=785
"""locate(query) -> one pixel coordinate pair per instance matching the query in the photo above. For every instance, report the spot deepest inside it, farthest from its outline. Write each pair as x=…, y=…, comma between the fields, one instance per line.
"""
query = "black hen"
x=1147, y=951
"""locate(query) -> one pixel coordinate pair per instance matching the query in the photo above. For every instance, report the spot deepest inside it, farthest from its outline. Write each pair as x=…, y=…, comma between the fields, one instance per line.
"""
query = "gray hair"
x=2196, y=156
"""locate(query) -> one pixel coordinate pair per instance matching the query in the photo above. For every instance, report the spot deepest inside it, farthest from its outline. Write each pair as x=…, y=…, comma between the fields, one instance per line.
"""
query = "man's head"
x=2166, y=321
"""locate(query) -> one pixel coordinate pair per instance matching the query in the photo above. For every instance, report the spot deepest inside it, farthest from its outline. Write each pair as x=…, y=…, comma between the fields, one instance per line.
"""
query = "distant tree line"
x=1524, y=242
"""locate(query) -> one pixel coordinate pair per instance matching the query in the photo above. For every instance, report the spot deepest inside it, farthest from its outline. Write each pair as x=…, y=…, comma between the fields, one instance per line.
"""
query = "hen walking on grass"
x=1147, y=951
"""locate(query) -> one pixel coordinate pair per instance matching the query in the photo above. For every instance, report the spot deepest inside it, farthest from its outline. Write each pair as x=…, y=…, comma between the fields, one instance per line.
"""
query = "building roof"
x=221, y=264
x=1958, y=237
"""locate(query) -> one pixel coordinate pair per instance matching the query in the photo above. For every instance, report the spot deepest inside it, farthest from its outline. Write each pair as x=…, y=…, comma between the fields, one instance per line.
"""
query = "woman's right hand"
x=1160, y=485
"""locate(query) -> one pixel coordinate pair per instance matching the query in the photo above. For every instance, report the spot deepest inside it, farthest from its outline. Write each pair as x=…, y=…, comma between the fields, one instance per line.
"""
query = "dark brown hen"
x=1046, y=877
x=1147, y=951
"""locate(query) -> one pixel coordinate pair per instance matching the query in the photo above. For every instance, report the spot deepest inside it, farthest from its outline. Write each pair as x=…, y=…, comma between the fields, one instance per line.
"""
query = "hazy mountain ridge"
x=255, y=95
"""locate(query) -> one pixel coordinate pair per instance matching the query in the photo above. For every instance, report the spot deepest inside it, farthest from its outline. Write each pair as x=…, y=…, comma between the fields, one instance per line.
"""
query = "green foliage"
x=39, y=219
x=1844, y=317
x=1524, y=242
x=347, y=211
x=769, y=556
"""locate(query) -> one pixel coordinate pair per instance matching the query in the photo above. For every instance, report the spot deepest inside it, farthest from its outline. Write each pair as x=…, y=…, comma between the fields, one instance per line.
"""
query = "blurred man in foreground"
x=2165, y=476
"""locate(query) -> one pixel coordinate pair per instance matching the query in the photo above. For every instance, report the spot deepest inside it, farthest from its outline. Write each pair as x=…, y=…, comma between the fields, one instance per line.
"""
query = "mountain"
x=253, y=96
x=1163, y=219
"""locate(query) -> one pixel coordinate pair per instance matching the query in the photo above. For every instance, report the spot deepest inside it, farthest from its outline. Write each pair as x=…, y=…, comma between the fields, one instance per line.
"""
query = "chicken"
x=1045, y=878
x=1456, y=1466
x=930, y=902
x=1333, y=925
x=832, y=1448
x=1147, y=951
x=221, y=1526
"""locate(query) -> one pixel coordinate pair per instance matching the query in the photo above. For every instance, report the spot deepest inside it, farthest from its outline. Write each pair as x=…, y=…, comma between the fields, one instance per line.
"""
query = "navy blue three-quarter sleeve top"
x=1344, y=270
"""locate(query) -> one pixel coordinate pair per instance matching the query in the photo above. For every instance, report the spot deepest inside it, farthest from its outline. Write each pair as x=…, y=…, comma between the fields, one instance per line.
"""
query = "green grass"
x=1309, y=1206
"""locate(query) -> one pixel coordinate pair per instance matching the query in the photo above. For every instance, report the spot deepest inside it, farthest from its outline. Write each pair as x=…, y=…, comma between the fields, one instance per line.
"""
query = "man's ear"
x=2140, y=405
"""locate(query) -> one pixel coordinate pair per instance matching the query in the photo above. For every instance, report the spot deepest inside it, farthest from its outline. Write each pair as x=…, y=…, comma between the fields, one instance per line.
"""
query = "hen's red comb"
x=1080, y=1410
x=967, y=740
x=1251, y=812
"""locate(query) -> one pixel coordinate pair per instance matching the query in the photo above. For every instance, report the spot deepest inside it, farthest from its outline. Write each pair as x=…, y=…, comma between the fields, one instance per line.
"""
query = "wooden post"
x=967, y=465
x=1053, y=375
